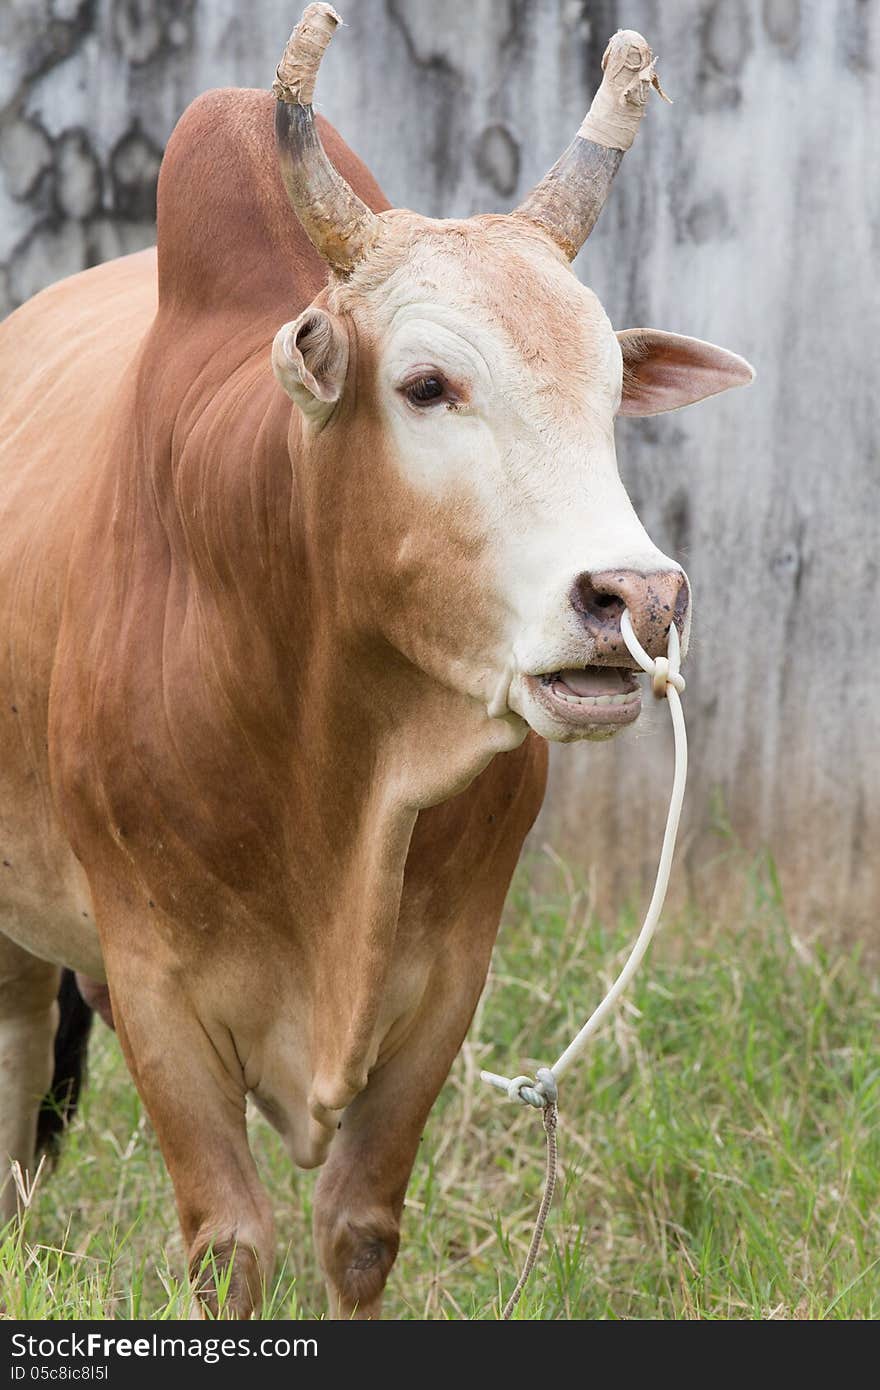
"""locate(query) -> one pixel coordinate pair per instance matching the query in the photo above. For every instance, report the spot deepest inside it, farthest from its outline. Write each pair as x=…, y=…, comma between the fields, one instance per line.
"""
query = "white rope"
x=666, y=679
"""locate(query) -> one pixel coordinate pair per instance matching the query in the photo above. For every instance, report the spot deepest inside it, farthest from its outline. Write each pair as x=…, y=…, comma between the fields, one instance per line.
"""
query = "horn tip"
x=629, y=73
x=319, y=14
x=627, y=47
x=297, y=72
x=629, y=52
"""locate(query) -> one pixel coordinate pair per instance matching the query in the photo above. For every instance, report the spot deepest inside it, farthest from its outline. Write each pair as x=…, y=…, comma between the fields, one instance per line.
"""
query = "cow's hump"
x=227, y=234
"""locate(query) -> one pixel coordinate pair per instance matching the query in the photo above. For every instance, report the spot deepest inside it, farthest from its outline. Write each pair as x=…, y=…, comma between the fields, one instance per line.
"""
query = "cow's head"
x=478, y=381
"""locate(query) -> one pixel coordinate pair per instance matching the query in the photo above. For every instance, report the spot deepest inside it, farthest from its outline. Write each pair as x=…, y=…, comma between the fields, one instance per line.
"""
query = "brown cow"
x=275, y=676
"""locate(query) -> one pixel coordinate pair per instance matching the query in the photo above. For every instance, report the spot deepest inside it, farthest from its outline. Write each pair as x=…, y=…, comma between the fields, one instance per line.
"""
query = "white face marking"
x=529, y=437
x=440, y=447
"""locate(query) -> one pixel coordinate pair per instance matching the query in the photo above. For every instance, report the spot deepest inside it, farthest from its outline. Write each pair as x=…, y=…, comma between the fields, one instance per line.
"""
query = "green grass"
x=720, y=1147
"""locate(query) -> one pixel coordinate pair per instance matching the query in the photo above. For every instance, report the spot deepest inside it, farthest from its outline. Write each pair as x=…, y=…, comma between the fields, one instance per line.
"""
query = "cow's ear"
x=663, y=371
x=310, y=359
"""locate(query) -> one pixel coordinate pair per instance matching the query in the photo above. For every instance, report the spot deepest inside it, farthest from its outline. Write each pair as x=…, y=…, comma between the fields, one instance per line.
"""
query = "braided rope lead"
x=550, y=1116
x=666, y=680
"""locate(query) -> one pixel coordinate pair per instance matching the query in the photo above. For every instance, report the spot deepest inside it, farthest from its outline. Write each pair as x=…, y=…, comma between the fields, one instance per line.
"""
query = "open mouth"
x=596, y=696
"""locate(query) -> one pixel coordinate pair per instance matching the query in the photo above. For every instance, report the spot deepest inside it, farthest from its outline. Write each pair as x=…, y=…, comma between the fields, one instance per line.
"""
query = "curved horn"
x=339, y=226
x=568, y=200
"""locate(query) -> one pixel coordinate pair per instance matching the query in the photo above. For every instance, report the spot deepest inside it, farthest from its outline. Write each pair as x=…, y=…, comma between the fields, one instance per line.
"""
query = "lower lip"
x=584, y=712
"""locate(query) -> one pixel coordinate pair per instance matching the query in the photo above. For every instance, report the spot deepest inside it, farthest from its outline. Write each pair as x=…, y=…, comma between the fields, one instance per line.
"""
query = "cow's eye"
x=425, y=390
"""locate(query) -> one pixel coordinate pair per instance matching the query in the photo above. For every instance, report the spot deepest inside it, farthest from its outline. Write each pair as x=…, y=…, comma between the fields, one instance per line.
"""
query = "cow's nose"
x=653, y=600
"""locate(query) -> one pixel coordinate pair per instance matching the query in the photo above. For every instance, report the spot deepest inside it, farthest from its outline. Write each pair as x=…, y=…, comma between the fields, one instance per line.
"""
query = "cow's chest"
x=281, y=1069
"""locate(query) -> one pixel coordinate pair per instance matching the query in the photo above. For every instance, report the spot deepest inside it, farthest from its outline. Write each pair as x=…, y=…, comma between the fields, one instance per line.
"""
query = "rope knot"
x=540, y=1093
x=663, y=670
x=547, y=1086
x=660, y=677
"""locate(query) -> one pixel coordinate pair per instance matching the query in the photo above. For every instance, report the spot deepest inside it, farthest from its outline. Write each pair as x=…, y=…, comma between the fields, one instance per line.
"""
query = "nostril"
x=591, y=603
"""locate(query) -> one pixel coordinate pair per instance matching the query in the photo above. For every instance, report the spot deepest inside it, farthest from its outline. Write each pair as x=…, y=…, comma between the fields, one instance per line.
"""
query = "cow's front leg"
x=361, y=1188
x=189, y=1077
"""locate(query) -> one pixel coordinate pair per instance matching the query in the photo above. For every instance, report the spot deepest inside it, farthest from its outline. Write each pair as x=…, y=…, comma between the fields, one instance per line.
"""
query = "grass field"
x=720, y=1147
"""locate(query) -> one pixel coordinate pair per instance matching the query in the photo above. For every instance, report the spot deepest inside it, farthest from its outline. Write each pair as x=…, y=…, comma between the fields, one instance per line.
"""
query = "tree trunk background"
x=747, y=214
